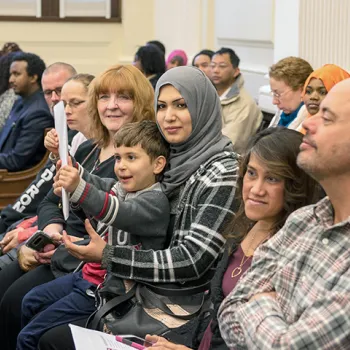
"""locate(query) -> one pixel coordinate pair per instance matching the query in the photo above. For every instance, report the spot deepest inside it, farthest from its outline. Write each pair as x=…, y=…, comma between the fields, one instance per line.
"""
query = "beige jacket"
x=241, y=116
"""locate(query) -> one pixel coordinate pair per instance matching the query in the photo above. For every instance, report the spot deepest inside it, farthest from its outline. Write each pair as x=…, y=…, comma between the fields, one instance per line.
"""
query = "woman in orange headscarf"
x=318, y=84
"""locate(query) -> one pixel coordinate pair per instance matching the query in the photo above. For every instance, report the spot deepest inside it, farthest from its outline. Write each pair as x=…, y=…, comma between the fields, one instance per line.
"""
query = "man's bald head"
x=53, y=79
x=325, y=152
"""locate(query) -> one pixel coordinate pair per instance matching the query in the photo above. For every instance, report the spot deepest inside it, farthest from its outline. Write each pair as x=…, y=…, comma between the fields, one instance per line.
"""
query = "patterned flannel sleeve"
x=324, y=325
x=197, y=243
x=260, y=324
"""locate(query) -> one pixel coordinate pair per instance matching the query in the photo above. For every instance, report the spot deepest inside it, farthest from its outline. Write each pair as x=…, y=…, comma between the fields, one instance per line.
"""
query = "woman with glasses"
x=75, y=92
x=287, y=79
x=120, y=95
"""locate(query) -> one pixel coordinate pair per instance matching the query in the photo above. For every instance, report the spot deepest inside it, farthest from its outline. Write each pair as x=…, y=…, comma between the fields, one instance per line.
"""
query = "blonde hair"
x=120, y=79
x=292, y=70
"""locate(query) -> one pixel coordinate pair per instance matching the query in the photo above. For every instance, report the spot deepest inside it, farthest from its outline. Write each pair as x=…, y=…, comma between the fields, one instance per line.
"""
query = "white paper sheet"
x=61, y=128
x=87, y=339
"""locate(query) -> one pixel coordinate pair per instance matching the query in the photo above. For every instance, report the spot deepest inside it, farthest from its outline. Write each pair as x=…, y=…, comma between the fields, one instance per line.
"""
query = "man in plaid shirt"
x=296, y=294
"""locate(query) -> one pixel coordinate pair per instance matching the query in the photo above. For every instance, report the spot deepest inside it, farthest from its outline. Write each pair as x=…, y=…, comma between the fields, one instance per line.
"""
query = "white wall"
x=286, y=29
x=184, y=24
x=247, y=27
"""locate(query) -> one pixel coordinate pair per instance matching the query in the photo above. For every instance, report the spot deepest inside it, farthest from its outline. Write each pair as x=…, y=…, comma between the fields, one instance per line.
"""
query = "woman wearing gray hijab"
x=200, y=182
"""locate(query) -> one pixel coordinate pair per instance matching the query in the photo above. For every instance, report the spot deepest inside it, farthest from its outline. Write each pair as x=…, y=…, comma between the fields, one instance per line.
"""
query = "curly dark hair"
x=278, y=148
x=151, y=58
x=35, y=65
x=205, y=52
x=5, y=63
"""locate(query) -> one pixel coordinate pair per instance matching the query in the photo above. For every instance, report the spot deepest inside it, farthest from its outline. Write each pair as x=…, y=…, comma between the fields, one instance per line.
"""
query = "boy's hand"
x=68, y=178
x=89, y=253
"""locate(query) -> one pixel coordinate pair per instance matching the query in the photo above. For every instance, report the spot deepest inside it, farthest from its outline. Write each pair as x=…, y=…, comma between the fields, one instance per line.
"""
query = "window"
x=61, y=10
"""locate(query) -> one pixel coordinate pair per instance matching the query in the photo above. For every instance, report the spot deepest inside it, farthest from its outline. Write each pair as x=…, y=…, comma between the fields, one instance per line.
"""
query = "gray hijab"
x=206, y=138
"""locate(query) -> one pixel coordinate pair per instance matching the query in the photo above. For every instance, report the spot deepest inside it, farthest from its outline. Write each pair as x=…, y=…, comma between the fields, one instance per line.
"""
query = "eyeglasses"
x=277, y=95
x=57, y=91
x=220, y=66
x=73, y=104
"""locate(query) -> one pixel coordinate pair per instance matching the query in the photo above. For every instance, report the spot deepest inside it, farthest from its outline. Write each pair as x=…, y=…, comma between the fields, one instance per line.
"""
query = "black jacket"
x=26, y=204
x=22, y=137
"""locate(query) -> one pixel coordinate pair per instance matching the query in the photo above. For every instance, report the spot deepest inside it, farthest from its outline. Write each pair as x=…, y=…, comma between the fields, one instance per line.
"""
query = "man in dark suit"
x=22, y=137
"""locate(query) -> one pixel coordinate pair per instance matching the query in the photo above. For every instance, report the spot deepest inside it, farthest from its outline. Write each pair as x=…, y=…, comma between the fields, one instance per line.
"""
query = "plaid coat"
x=205, y=207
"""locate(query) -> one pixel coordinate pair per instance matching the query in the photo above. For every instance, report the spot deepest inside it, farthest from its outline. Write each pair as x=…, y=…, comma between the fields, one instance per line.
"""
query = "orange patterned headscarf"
x=330, y=75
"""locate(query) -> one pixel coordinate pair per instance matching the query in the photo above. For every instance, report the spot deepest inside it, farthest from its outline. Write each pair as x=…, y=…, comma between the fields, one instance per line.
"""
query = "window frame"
x=50, y=13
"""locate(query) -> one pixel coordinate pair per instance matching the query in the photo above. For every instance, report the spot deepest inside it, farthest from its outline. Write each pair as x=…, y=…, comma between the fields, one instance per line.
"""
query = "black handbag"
x=144, y=308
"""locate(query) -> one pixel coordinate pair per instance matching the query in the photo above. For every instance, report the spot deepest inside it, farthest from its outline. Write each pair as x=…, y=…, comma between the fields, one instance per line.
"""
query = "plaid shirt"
x=307, y=264
x=205, y=207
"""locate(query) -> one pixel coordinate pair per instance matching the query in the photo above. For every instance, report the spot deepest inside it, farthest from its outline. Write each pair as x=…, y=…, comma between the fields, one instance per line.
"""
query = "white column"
x=325, y=32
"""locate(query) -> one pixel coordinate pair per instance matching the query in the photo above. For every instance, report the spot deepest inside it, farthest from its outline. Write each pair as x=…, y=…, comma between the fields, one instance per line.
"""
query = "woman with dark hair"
x=202, y=61
x=271, y=186
x=157, y=43
x=149, y=59
x=7, y=95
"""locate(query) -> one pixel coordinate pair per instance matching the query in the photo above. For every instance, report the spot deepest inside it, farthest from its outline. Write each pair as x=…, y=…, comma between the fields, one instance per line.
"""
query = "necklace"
x=238, y=270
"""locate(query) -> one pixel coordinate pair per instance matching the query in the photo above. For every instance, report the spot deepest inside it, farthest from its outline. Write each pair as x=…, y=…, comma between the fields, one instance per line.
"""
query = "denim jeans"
x=60, y=301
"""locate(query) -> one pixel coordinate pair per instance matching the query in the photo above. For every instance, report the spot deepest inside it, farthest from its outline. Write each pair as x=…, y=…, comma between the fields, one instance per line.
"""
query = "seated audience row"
x=199, y=181
x=213, y=142
x=296, y=293
x=269, y=177
x=297, y=90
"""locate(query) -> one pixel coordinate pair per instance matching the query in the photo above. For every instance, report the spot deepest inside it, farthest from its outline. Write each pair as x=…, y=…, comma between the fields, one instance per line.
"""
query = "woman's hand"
x=91, y=252
x=10, y=240
x=51, y=141
x=45, y=256
x=162, y=344
x=26, y=258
